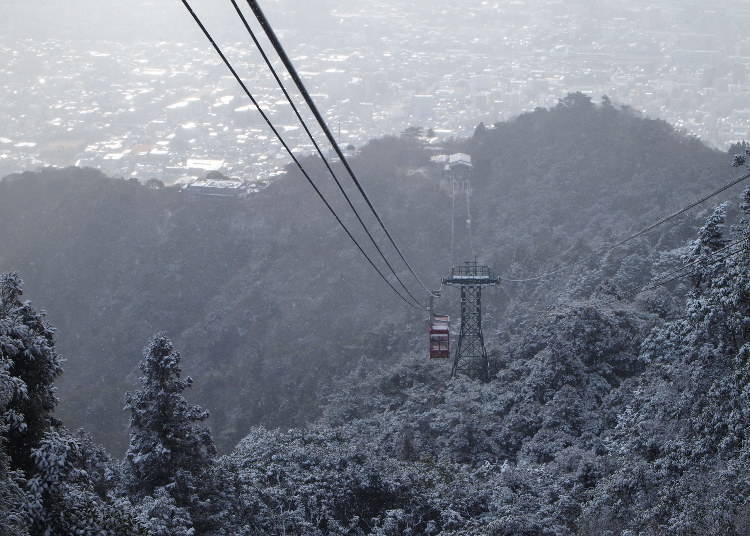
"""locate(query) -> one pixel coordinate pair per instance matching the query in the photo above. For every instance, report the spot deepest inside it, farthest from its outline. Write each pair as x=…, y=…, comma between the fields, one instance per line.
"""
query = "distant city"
x=169, y=110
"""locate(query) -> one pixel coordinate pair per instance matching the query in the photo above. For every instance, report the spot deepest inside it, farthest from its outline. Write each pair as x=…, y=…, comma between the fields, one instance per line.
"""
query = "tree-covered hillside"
x=271, y=303
x=609, y=412
x=603, y=419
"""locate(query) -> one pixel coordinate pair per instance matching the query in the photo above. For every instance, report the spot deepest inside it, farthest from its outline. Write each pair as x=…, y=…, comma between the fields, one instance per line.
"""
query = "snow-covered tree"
x=63, y=499
x=29, y=365
x=13, y=520
x=711, y=238
x=169, y=446
x=13, y=517
x=681, y=445
x=162, y=517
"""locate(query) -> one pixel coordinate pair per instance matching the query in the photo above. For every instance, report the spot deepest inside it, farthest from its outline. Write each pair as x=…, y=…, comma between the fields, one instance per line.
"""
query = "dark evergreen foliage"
x=271, y=300
x=605, y=415
x=30, y=366
x=51, y=482
x=169, y=448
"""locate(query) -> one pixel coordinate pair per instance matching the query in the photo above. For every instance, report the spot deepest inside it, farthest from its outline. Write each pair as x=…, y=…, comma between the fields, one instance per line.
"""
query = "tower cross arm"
x=471, y=280
x=471, y=273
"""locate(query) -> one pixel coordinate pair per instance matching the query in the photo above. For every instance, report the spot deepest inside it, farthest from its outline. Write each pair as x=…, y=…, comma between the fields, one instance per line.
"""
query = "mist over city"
x=282, y=267
x=114, y=85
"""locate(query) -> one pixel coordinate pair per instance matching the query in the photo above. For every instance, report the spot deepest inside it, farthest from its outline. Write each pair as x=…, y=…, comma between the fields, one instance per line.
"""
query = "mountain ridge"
x=268, y=300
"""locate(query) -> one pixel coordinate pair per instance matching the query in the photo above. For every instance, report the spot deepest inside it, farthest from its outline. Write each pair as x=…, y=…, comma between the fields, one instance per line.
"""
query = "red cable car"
x=440, y=337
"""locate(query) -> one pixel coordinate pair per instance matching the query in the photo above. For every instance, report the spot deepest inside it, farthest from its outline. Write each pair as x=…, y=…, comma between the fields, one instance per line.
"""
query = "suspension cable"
x=315, y=144
x=675, y=274
x=271, y=34
x=680, y=272
x=632, y=237
x=289, y=151
x=699, y=259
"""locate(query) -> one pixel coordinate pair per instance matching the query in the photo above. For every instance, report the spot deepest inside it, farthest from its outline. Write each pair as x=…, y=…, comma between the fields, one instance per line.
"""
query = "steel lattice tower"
x=471, y=356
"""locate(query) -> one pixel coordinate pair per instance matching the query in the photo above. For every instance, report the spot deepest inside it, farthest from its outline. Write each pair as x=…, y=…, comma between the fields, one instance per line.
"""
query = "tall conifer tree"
x=29, y=366
x=169, y=447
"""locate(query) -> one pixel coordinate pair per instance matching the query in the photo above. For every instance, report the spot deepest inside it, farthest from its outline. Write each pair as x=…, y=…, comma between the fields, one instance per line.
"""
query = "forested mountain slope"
x=270, y=302
x=610, y=413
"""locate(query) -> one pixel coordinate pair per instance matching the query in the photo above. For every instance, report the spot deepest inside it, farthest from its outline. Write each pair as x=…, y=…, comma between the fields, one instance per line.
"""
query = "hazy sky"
x=139, y=19
x=167, y=19
x=515, y=41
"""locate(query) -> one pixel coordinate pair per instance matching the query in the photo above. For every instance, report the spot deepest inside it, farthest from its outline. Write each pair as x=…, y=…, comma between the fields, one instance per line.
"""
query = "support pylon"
x=471, y=356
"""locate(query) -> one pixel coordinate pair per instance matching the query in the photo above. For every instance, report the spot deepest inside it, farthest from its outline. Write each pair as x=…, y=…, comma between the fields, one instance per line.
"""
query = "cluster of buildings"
x=170, y=111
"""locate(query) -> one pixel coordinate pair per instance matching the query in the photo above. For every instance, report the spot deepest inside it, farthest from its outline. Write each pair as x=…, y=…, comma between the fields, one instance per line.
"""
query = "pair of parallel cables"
x=409, y=298
x=662, y=280
x=723, y=254
x=646, y=230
